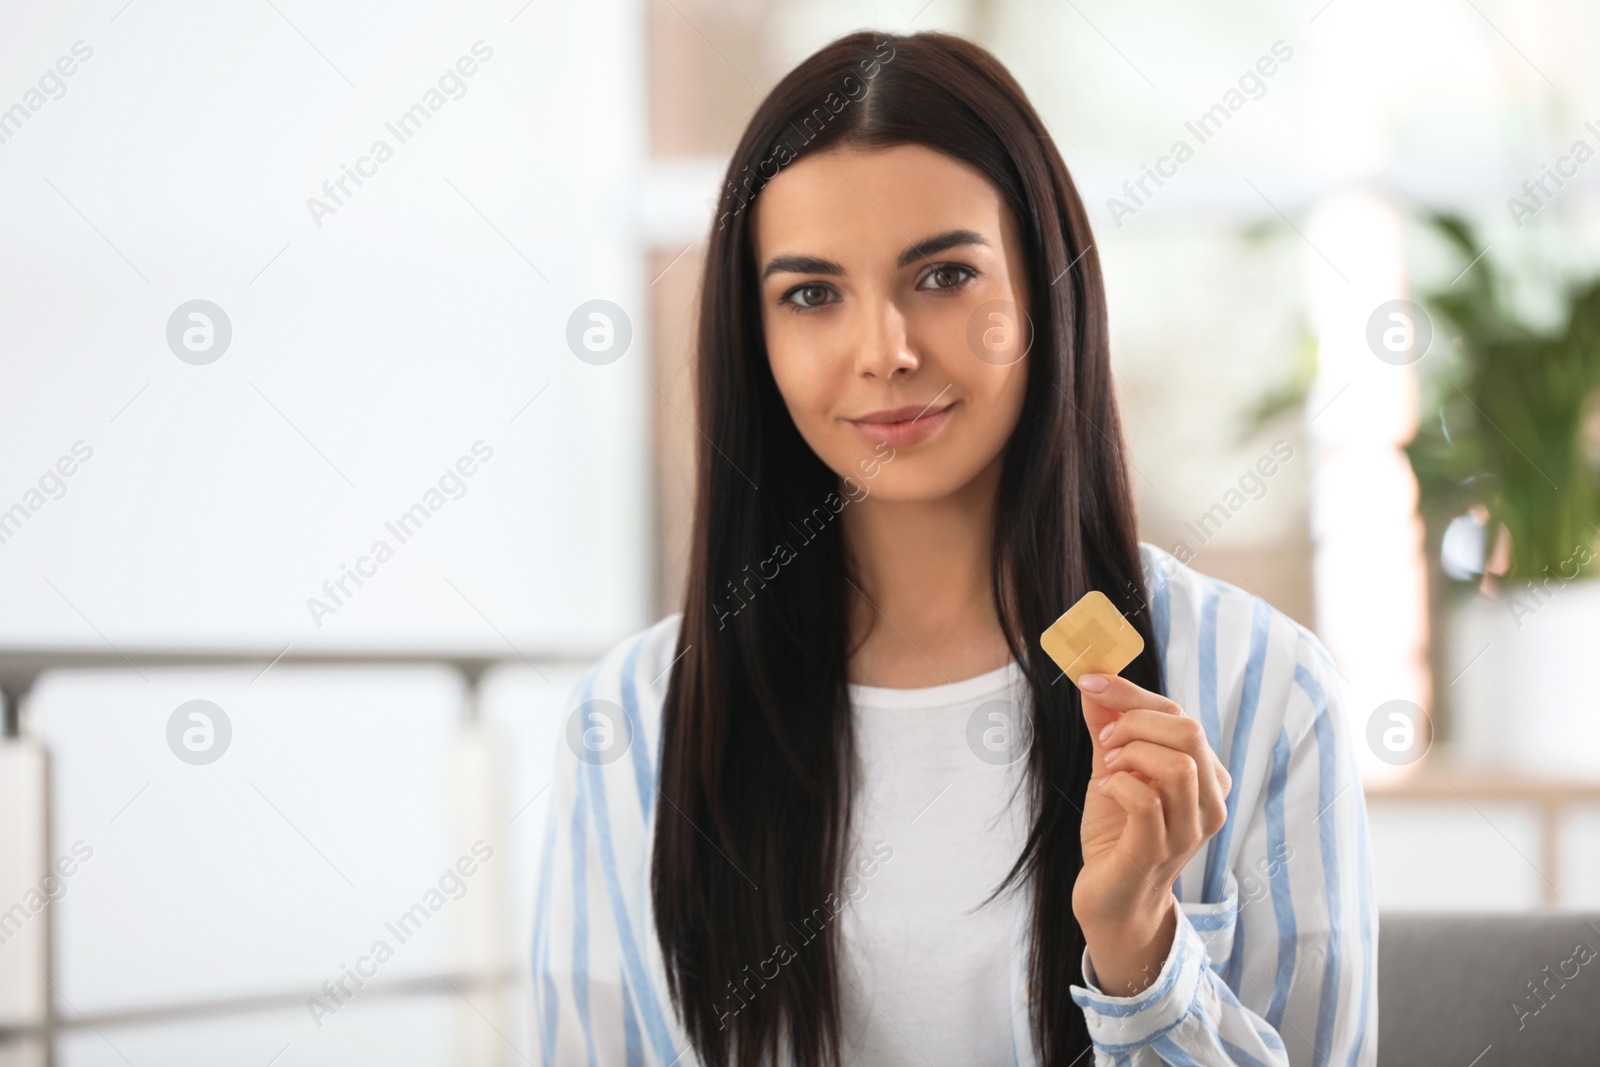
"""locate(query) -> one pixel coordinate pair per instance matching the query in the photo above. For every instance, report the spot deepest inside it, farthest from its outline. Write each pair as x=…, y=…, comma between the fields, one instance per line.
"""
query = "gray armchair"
x=1459, y=990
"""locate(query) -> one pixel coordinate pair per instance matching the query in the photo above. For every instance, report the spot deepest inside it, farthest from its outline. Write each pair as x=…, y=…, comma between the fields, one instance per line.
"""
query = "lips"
x=905, y=414
x=904, y=426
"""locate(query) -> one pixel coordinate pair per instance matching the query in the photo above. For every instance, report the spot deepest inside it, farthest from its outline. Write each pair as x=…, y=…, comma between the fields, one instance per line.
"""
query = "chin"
x=911, y=479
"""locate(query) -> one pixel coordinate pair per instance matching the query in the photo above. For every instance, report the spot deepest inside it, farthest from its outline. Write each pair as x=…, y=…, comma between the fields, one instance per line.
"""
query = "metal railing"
x=38, y=1012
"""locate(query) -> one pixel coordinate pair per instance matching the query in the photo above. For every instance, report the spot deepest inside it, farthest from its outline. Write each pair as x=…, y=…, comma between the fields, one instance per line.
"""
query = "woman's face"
x=892, y=288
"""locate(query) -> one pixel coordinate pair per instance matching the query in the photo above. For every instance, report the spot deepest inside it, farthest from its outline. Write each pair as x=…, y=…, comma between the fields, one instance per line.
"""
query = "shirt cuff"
x=1118, y=1024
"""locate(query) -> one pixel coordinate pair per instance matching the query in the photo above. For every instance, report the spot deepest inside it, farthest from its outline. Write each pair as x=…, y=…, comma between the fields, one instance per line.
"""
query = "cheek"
x=795, y=379
x=997, y=398
x=804, y=376
x=997, y=393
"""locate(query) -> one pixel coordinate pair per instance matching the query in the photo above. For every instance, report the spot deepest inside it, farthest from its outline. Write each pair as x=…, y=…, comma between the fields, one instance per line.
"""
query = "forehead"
x=849, y=200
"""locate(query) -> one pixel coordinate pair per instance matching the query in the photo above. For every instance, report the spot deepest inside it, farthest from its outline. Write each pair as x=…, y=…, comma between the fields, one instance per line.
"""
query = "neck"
x=923, y=612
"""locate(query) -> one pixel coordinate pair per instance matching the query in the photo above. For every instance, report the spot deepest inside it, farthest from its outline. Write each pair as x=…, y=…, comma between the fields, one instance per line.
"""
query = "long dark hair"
x=757, y=758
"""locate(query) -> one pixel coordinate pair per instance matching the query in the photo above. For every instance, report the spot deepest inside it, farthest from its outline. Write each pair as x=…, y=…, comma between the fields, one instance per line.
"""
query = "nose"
x=883, y=348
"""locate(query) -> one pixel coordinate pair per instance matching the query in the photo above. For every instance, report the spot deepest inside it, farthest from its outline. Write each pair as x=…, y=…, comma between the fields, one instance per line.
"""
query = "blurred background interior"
x=1371, y=273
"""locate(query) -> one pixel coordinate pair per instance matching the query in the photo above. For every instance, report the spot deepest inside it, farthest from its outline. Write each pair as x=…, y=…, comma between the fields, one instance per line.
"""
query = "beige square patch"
x=1092, y=638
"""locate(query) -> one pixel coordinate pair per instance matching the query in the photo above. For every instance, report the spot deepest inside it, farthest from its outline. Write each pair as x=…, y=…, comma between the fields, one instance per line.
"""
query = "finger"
x=1212, y=781
x=1103, y=708
x=1143, y=840
x=1120, y=694
x=1174, y=731
x=1177, y=778
x=1097, y=717
x=1181, y=731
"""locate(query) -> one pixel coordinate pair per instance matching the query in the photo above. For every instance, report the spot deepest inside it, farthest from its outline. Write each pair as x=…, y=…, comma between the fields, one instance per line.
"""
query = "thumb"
x=1096, y=716
x=1098, y=713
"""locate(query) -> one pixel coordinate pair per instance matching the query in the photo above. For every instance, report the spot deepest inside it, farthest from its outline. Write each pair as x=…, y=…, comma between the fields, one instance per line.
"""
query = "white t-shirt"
x=924, y=982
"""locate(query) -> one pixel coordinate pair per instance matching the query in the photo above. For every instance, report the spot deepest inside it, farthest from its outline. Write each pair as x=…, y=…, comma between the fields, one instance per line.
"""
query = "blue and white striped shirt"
x=1274, y=960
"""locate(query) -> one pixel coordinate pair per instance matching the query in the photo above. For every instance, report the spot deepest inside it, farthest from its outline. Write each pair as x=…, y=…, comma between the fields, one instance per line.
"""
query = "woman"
x=842, y=807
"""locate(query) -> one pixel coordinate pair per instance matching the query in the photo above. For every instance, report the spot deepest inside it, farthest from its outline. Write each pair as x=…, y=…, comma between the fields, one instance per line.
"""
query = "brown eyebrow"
x=923, y=249
x=801, y=265
x=932, y=246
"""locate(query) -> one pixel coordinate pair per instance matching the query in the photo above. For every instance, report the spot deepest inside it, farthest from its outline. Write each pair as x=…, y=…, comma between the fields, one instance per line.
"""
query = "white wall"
x=368, y=352
x=371, y=348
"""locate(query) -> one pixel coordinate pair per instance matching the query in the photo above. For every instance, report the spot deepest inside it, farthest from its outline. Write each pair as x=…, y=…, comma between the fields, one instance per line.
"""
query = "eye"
x=808, y=297
x=947, y=276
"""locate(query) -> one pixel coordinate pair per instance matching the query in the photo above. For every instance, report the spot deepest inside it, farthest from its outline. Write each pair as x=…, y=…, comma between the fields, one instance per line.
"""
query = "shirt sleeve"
x=583, y=1007
x=1283, y=969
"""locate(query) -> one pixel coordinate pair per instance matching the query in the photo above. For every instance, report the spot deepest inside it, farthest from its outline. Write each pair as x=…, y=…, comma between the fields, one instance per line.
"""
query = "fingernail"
x=1111, y=757
x=1101, y=783
x=1107, y=731
x=1093, y=683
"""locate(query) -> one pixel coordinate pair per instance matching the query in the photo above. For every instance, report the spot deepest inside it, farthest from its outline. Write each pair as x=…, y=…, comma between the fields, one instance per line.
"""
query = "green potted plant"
x=1507, y=461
